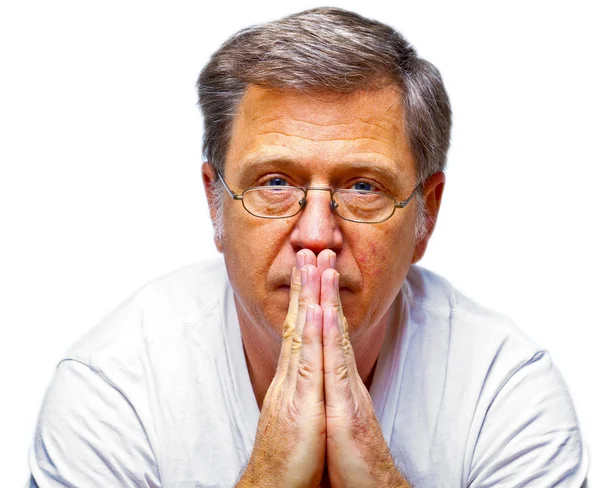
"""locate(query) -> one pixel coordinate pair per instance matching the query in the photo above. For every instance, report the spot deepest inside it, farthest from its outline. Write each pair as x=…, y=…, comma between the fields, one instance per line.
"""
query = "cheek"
x=384, y=254
x=252, y=246
x=371, y=257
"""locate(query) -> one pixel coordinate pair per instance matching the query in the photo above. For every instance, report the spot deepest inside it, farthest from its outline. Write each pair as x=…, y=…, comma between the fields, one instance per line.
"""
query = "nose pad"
x=333, y=205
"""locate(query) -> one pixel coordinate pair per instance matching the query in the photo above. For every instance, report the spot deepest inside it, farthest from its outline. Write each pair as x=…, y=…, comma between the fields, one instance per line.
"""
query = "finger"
x=330, y=289
x=289, y=326
x=309, y=295
x=336, y=371
x=309, y=380
x=330, y=297
x=304, y=257
x=290, y=320
x=325, y=260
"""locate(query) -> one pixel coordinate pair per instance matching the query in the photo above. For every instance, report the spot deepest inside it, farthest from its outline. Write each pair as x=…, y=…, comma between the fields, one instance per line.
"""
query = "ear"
x=432, y=199
x=209, y=178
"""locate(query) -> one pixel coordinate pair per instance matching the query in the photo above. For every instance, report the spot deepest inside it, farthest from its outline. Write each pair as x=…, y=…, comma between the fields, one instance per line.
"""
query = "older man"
x=318, y=355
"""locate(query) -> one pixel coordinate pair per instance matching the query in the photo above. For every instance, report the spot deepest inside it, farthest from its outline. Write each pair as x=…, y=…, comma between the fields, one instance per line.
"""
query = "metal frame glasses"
x=343, y=207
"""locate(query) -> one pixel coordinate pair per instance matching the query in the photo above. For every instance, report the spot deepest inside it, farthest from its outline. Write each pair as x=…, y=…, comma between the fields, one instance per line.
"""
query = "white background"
x=100, y=187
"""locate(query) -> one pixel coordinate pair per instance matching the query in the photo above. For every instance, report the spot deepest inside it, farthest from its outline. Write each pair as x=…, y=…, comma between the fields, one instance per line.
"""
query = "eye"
x=276, y=182
x=363, y=185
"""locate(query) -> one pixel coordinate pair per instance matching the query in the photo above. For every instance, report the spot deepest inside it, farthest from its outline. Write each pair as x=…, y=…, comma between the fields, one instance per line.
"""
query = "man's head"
x=323, y=98
x=333, y=50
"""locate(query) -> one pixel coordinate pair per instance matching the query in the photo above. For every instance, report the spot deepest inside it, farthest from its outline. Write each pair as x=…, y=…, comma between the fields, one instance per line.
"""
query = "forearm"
x=391, y=477
x=384, y=471
x=388, y=475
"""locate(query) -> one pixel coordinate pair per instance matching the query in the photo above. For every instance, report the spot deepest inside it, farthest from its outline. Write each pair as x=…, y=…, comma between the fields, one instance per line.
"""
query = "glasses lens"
x=273, y=202
x=363, y=206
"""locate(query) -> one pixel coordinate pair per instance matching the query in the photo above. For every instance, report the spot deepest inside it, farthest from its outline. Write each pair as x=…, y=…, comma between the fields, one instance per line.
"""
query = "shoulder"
x=130, y=395
x=520, y=412
x=436, y=307
x=153, y=313
x=469, y=348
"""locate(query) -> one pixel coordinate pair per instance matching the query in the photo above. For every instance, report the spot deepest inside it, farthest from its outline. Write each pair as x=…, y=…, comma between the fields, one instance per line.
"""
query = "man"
x=318, y=355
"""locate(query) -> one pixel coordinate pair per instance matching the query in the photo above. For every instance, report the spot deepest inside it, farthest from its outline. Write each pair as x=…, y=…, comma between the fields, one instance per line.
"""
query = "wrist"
x=258, y=473
x=393, y=478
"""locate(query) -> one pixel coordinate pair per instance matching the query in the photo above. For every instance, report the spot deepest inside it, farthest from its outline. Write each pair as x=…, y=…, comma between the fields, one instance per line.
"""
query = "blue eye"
x=276, y=182
x=362, y=185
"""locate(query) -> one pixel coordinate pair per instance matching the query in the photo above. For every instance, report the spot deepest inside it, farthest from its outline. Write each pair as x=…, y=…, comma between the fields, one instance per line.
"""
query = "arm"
x=88, y=434
x=289, y=450
x=357, y=453
x=529, y=434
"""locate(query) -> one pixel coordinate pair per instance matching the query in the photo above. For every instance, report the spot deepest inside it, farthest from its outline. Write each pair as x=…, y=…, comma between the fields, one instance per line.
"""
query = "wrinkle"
x=394, y=123
x=379, y=126
x=295, y=136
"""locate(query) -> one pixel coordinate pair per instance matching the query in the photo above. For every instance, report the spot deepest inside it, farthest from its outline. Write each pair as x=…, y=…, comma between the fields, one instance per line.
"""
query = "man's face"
x=319, y=140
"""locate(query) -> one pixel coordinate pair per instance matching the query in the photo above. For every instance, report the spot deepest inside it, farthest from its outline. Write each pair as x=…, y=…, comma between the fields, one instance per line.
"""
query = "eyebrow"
x=371, y=167
x=260, y=161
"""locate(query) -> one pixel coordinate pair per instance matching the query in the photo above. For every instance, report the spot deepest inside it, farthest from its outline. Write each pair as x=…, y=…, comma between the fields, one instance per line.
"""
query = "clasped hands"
x=317, y=426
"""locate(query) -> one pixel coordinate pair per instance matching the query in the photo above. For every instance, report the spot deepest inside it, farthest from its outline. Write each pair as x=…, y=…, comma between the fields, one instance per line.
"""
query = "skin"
x=311, y=375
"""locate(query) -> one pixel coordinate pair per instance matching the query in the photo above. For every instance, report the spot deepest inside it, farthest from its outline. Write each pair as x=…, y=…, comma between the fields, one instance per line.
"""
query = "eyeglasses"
x=280, y=202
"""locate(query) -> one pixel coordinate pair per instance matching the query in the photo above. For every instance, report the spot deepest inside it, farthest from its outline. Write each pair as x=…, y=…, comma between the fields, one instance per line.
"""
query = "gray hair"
x=325, y=49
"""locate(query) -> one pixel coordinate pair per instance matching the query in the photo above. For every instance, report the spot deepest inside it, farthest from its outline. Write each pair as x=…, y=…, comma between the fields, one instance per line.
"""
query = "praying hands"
x=317, y=425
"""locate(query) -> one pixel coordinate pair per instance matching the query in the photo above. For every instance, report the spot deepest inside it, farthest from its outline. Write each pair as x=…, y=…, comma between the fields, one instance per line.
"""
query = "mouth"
x=286, y=288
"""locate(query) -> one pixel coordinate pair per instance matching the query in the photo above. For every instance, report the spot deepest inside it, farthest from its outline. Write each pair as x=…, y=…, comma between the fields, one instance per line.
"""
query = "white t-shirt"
x=159, y=395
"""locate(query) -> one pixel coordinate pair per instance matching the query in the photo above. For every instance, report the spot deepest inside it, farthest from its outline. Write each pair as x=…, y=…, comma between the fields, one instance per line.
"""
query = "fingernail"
x=310, y=312
x=332, y=260
x=336, y=281
x=294, y=275
x=300, y=260
x=303, y=276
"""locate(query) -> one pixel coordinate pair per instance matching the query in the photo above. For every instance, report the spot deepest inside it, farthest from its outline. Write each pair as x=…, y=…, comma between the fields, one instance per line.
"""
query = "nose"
x=317, y=227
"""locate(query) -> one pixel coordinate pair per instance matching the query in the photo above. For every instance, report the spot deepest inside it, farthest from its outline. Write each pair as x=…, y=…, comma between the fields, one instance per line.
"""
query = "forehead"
x=320, y=130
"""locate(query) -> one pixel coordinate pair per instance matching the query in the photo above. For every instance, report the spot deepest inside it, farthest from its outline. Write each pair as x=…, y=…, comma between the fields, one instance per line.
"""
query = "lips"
x=346, y=282
x=287, y=288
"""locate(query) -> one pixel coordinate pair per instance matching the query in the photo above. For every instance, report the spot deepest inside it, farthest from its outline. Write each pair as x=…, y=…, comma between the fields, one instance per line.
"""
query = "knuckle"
x=292, y=411
x=345, y=328
x=296, y=340
x=341, y=371
x=288, y=328
x=346, y=345
x=305, y=370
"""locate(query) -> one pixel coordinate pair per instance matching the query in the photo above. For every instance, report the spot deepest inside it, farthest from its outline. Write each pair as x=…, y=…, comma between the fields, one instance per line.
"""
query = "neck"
x=262, y=348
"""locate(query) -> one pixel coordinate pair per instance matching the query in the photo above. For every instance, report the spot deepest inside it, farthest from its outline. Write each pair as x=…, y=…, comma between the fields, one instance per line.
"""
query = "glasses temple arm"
x=404, y=203
x=233, y=195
